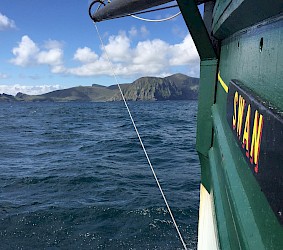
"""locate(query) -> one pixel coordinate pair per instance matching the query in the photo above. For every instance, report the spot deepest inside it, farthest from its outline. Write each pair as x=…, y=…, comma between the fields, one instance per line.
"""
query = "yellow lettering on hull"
x=256, y=139
x=246, y=135
x=236, y=97
x=240, y=115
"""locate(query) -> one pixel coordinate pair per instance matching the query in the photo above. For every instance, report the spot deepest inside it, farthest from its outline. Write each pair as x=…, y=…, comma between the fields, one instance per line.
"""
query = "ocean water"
x=74, y=176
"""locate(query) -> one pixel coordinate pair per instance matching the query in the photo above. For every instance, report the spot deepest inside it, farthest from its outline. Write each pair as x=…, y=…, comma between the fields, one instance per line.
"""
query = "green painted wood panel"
x=240, y=14
x=255, y=57
x=250, y=222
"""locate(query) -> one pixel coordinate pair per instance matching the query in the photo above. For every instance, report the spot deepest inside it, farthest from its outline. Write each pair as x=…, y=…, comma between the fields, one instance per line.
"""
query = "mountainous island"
x=174, y=87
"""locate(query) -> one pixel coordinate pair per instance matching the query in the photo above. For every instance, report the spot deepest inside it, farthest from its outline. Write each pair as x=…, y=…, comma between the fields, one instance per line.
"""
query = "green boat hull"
x=240, y=122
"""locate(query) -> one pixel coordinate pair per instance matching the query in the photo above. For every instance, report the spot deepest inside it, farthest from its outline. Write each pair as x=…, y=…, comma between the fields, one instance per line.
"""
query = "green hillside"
x=174, y=87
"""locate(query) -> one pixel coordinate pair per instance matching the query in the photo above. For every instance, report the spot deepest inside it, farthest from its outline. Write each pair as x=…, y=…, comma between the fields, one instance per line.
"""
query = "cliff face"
x=175, y=87
x=7, y=98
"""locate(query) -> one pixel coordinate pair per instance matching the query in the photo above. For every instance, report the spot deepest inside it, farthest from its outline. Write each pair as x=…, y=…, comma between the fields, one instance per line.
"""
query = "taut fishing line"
x=138, y=134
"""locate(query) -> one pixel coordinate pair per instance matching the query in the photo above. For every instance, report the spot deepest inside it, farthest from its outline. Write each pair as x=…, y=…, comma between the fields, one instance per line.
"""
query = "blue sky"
x=49, y=44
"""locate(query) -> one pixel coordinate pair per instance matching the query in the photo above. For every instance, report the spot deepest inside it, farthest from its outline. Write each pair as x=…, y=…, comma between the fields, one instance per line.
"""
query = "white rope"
x=141, y=142
x=156, y=20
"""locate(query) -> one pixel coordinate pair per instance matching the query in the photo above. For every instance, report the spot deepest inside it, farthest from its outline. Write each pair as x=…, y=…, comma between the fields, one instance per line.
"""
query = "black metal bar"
x=119, y=8
x=197, y=29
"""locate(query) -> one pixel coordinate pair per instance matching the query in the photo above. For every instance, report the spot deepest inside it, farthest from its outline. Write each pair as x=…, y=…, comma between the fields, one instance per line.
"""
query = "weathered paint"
x=207, y=231
x=250, y=35
x=230, y=16
x=258, y=130
x=254, y=57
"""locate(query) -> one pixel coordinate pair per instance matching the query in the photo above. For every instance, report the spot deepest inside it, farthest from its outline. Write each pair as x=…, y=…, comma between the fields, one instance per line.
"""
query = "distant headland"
x=174, y=87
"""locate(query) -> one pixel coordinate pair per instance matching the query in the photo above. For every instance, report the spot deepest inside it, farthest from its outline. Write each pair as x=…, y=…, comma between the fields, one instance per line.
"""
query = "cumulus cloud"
x=183, y=53
x=53, y=44
x=31, y=90
x=58, y=69
x=6, y=23
x=151, y=52
x=25, y=53
x=149, y=57
x=128, y=59
x=85, y=55
x=119, y=48
x=51, y=57
x=29, y=53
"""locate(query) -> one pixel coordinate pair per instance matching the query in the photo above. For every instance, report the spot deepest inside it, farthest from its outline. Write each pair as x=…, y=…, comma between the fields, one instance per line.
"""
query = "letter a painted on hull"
x=256, y=139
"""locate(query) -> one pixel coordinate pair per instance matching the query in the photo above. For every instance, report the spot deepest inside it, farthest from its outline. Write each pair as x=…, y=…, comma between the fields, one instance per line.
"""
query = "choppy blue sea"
x=74, y=176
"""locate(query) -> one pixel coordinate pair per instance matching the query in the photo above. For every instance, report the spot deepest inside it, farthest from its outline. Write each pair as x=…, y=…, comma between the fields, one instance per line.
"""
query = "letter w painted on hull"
x=246, y=135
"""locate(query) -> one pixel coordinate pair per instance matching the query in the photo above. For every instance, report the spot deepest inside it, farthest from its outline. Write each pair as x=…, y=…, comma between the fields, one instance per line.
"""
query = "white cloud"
x=58, y=69
x=133, y=32
x=31, y=90
x=6, y=23
x=119, y=48
x=99, y=67
x=144, y=31
x=85, y=55
x=147, y=57
x=25, y=53
x=53, y=44
x=28, y=53
x=50, y=57
x=184, y=53
x=151, y=52
x=3, y=76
